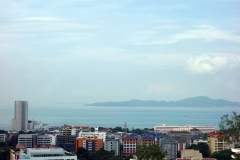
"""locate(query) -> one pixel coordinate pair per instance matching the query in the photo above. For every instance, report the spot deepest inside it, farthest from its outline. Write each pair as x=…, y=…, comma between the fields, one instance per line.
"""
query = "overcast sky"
x=67, y=52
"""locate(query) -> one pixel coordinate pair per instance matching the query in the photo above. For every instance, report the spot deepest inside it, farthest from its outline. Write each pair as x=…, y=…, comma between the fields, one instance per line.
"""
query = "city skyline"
x=59, y=52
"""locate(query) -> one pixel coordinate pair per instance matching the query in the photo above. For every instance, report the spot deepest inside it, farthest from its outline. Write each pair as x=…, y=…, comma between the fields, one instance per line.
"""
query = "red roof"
x=215, y=134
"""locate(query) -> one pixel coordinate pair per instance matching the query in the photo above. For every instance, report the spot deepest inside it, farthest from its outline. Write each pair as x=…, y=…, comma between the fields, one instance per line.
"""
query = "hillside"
x=201, y=101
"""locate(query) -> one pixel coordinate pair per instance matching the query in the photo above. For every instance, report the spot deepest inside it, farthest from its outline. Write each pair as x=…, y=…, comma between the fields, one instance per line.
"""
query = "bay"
x=111, y=116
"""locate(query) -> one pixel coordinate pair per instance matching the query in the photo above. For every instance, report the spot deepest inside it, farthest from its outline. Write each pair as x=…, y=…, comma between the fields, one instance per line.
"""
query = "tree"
x=222, y=155
x=117, y=129
x=103, y=155
x=230, y=127
x=81, y=152
x=148, y=152
x=202, y=147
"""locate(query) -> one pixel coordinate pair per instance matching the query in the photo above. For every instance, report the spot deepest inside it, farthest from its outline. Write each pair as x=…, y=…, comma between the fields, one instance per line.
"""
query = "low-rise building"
x=165, y=129
x=42, y=154
x=74, y=130
x=191, y=153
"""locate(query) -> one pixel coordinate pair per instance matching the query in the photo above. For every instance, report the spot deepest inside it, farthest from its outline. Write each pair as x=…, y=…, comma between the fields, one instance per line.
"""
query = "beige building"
x=216, y=142
x=191, y=154
x=20, y=120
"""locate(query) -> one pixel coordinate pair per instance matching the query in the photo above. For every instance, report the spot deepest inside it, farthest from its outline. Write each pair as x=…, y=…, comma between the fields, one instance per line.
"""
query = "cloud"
x=206, y=64
x=160, y=89
x=203, y=32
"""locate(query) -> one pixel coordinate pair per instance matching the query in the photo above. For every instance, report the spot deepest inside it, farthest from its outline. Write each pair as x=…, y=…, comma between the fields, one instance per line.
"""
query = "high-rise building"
x=20, y=120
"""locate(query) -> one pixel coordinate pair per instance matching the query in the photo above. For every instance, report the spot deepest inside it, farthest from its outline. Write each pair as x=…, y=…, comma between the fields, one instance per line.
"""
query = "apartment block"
x=27, y=140
x=2, y=137
x=112, y=145
x=216, y=142
x=67, y=142
x=169, y=145
x=91, y=144
x=130, y=143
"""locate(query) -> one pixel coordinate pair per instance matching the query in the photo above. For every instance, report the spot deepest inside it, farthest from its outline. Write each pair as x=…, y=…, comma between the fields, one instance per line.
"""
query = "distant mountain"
x=201, y=101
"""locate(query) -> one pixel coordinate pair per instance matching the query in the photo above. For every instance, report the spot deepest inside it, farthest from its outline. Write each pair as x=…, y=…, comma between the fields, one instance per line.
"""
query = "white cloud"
x=204, y=32
x=206, y=64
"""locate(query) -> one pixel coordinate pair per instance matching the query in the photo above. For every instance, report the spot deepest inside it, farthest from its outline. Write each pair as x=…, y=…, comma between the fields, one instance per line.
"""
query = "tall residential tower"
x=20, y=120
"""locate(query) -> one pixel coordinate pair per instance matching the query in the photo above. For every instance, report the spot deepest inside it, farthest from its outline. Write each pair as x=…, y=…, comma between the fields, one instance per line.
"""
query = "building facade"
x=42, y=154
x=27, y=140
x=2, y=137
x=20, y=120
x=216, y=142
x=130, y=145
x=112, y=145
x=165, y=129
x=168, y=145
x=90, y=144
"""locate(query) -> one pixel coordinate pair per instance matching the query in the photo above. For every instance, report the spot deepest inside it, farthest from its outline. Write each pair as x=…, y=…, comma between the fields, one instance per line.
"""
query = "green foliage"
x=230, y=126
x=13, y=141
x=222, y=155
x=146, y=152
x=3, y=132
x=4, y=155
x=81, y=152
x=205, y=136
x=202, y=147
x=117, y=129
x=102, y=154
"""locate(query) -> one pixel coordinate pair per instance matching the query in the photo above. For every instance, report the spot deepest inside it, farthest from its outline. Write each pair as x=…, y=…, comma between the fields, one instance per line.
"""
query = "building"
x=102, y=135
x=2, y=137
x=130, y=143
x=165, y=129
x=216, y=142
x=42, y=154
x=20, y=120
x=27, y=140
x=46, y=139
x=156, y=136
x=147, y=140
x=67, y=142
x=74, y=130
x=90, y=144
x=191, y=153
x=112, y=145
x=168, y=145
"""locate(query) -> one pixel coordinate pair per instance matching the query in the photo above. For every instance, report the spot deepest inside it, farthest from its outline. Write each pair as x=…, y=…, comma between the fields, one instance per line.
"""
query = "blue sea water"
x=110, y=116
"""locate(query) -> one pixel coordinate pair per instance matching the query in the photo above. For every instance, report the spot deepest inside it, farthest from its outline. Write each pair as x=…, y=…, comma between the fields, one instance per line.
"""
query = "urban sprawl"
x=36, y=140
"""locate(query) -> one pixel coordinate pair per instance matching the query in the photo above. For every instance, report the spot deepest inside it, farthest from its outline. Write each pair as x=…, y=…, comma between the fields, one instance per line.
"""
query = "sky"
x=58, y=53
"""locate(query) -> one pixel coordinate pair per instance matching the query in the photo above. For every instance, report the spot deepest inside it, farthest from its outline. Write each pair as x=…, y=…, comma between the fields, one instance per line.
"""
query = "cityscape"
x=119, y=80
x=36, y=140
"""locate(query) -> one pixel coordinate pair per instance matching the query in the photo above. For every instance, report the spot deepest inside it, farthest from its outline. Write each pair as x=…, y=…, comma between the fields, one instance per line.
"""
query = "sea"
x=112, y=116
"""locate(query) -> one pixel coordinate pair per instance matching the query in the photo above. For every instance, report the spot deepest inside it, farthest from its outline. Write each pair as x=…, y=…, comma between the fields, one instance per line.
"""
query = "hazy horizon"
x=69, y=52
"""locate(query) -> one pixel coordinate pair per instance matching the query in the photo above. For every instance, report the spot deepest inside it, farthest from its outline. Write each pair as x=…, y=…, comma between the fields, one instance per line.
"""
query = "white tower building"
x=20, y=120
